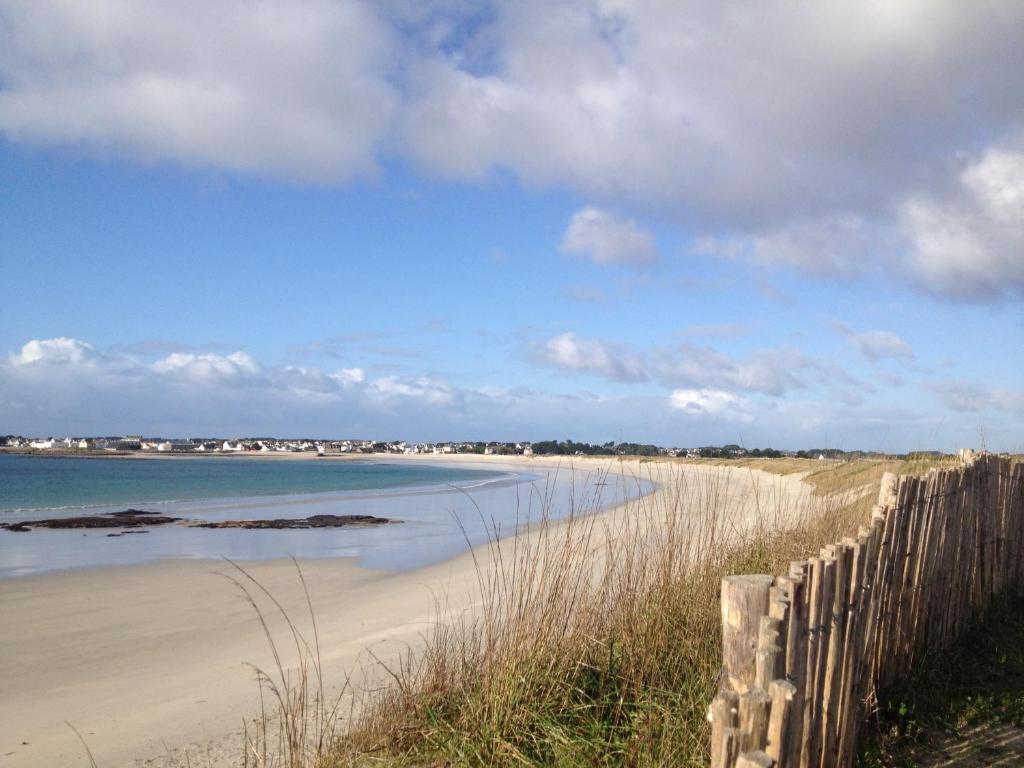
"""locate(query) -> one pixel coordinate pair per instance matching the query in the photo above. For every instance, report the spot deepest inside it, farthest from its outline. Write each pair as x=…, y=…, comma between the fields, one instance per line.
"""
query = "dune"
x=150, y=662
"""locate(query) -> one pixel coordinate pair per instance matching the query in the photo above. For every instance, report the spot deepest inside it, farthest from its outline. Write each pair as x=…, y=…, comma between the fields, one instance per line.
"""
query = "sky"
x=691, y=223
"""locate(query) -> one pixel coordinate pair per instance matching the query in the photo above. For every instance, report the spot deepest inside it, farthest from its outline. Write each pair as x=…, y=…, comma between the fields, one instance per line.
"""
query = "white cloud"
x=422, y=388
x=876, y=345
x=103, y=392
x=46, y=351
x=767, y=371
x=655, y=101
x=234, y=369
x=775, y=372
x=619, y=100
x=314, y=381
x=969, y=242
x=714, y=402
x=970, y=397
x=299, y=91
x=347, y=376
x=636, y=104
x=833, y=245
x=997, y=183
x=604, y=238
x=611, y=361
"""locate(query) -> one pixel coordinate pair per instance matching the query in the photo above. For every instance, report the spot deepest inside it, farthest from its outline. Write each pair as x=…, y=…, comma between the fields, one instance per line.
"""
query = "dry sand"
x=150, y=661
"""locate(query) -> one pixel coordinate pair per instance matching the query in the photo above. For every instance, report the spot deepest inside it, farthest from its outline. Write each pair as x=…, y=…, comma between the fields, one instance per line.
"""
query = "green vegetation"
x=570, y=448
x=568, y=669
x=598, y=638
x=966, y=703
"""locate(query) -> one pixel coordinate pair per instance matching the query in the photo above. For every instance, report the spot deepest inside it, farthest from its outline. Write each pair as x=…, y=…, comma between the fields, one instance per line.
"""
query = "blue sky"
x=604, y=221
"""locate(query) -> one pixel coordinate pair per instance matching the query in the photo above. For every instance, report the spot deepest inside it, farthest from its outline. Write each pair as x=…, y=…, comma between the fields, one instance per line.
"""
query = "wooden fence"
x=804, y=653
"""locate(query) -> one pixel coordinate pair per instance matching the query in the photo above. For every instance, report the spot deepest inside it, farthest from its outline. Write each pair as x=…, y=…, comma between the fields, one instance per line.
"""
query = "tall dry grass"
x=301, y=724
x=598, y=638
x=596, y=642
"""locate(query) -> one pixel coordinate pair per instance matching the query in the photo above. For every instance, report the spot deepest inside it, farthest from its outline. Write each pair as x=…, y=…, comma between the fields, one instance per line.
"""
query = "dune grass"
x=597, y=642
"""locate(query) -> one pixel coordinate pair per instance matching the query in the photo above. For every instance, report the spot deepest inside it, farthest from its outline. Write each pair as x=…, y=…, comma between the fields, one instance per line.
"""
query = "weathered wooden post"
x=744, y=602
x=754, y=759
x=782, y=695
x=724, y=716
x=755, y=707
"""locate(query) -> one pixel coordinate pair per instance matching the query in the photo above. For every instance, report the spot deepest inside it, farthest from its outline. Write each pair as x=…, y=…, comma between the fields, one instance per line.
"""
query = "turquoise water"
x=59, y=483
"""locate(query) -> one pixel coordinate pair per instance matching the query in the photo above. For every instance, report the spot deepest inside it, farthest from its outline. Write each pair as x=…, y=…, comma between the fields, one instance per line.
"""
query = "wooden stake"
x=782, y=695
x=744, y=602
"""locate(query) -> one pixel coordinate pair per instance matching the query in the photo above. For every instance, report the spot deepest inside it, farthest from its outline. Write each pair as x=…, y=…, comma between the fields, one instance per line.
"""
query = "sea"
x=443, y=508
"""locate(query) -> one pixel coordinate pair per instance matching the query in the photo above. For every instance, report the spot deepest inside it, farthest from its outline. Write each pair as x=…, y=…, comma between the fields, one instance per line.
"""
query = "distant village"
x=138, y=444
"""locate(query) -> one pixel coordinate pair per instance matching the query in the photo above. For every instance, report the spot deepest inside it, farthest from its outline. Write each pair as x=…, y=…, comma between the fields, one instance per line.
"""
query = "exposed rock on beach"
x=130, y=518
x=137, y=518
x=313, y=521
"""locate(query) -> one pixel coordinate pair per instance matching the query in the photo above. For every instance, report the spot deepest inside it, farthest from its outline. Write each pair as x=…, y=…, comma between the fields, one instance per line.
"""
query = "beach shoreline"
x=149, y=660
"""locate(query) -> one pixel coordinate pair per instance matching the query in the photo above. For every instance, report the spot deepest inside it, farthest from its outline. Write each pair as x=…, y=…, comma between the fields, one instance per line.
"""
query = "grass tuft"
x=598, y=639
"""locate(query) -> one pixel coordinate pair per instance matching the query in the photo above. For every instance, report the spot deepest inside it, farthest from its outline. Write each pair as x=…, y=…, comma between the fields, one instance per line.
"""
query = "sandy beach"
x=149, y=661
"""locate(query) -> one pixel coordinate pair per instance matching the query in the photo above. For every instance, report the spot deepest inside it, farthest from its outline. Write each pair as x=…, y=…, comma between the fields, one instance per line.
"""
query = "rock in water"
x=313, y=521
x=130, y=518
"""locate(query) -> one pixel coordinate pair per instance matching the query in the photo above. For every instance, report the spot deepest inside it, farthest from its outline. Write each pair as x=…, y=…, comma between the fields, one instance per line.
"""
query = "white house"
x=527, y=451
x=164, y=447
x=232, y=447
x=42, y=445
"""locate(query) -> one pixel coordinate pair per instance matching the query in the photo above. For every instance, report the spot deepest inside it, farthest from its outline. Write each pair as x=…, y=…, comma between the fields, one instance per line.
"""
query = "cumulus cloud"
x=649, y=100
x=234, y=369
x=235, y=394
x=771, y=372
x=299, y=91
x=711, y=402
x=313, y=381
x=422, y=388
x=642, y=101
x=969, y=242
x=49, y=351
x=68, y=386
x=605, y=238
x=643, y=105
x=568, y=351
x=39, y=359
